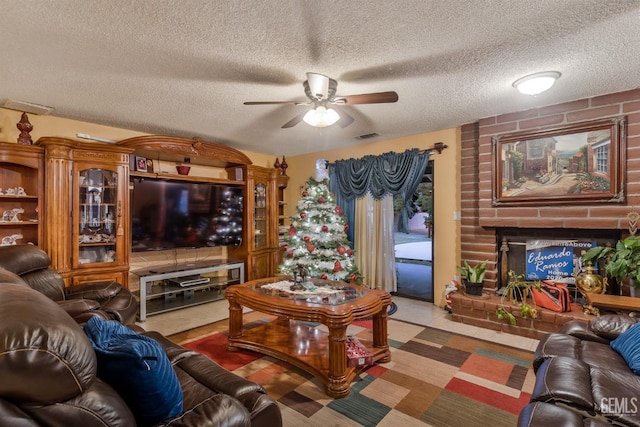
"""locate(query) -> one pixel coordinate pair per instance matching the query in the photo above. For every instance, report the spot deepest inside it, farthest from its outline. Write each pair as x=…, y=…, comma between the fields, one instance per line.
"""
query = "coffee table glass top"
x=314, y=291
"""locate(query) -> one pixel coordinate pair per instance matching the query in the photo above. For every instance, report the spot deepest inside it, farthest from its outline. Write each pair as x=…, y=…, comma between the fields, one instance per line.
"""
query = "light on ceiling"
x=321, y=117
x=534, y=84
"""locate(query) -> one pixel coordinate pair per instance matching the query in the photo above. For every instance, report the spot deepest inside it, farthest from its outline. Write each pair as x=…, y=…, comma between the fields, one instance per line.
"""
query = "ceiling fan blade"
x=345, y=118
x=271, y=103
x=297, y=119
x=367, y=98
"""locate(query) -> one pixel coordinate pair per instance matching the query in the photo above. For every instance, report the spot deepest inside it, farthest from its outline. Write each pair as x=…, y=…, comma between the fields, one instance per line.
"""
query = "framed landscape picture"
x=577, y=163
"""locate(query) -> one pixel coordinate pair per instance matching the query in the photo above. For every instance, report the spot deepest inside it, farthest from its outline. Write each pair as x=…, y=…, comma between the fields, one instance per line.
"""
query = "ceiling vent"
x=28, y=107
x=368, y=135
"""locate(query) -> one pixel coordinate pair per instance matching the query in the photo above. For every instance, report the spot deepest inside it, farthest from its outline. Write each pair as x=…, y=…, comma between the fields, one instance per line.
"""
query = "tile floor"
x=409, y=310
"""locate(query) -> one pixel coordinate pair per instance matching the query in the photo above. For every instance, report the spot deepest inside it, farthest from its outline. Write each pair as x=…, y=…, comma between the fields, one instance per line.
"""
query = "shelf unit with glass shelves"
x=86, y=207
x=161, y=291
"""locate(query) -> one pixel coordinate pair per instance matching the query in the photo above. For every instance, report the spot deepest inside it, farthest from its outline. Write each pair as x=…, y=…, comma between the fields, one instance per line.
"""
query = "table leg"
x=235, y=319
x=380, y=332
x=337, y=385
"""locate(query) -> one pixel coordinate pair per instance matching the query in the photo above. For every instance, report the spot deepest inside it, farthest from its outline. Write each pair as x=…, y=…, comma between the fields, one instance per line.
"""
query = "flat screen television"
x=176, y=214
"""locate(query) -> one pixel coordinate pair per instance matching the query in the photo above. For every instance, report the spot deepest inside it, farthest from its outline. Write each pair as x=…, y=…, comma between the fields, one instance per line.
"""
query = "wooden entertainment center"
x=76, y=199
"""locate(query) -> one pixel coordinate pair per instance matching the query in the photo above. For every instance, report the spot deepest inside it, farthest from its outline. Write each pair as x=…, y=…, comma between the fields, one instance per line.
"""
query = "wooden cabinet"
x=87, y=204
x=262, y=212
x=21, y=194
x=282, y=222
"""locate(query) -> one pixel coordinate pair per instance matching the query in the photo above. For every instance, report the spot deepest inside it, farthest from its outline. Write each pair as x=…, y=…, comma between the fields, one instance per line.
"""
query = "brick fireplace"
x=484, y=226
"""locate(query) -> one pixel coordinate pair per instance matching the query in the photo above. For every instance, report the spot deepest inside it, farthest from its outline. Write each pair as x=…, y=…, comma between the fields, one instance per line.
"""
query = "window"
x=602, y=158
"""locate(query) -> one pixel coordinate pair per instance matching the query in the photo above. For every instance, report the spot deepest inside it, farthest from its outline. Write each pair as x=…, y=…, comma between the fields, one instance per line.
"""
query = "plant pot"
x=474, y=289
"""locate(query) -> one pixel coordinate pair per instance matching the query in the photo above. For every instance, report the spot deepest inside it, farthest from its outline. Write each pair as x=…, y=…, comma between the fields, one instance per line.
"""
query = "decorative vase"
x=474, y=289
x=591, y=283
x=24, y=126
x=183, y=169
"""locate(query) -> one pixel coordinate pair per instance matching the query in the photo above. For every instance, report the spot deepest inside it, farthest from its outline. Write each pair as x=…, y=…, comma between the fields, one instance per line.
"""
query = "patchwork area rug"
x=435, y=378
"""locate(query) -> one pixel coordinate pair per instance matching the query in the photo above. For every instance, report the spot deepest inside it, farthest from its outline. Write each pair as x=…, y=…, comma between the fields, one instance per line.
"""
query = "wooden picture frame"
x=574, y=164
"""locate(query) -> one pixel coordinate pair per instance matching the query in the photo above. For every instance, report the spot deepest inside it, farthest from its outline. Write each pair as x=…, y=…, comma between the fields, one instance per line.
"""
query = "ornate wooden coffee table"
x=288, y=338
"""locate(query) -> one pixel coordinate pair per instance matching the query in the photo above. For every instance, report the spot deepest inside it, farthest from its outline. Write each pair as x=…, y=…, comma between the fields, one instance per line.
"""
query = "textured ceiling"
x=186, y=67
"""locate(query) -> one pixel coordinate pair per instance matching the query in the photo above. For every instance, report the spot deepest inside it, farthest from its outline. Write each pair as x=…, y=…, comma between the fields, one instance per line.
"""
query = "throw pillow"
x=628, y=345
x=138, y=368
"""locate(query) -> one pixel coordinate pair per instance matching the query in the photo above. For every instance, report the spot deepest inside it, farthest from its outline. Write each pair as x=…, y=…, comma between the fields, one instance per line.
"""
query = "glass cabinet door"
x=98, y=212
x=260, y=215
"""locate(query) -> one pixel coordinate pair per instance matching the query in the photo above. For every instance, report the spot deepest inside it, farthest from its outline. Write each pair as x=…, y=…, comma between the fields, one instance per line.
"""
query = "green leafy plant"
x=517, y=291
x=473, y=274
x=620, y=262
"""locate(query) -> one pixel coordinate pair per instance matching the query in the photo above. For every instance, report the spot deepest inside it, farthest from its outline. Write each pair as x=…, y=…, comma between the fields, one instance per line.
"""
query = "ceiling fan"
x=326, y=105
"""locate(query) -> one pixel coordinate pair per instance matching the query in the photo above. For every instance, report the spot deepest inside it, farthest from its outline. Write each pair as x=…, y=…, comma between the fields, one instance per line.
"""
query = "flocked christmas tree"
x=317, y=238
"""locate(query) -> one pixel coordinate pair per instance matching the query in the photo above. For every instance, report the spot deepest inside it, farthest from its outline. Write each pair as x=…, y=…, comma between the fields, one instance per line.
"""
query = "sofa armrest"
x=12, y=416
x=581, y=330
x=217, y=410
x=98, y=291
x=76, y=307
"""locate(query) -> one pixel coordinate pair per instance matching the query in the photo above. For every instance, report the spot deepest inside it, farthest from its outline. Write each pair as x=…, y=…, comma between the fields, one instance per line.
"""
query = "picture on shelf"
x=141, y=164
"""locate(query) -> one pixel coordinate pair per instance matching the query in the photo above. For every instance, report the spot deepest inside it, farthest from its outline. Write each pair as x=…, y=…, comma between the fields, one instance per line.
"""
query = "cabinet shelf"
x=16, y=197
x=185, y=178
x=22, y=169
x=20, y=223
x=96, y=244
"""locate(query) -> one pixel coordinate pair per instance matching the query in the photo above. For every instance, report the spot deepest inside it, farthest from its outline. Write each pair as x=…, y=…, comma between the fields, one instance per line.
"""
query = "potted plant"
x=517, y=291
x=620, y=262
x=473, y=277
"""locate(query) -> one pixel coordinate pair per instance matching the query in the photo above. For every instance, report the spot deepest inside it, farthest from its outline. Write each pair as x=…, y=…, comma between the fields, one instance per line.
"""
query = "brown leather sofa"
x=581, y=380
x=48, y=374
x=108, y=300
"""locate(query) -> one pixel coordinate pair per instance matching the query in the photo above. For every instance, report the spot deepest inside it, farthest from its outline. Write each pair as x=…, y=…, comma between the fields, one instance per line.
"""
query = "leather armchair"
x=49, y=375
x=109, y=300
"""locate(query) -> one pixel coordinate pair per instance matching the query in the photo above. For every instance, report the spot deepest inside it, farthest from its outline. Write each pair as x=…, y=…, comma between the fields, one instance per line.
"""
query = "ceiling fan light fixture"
x=536, y=83
x=321, y=117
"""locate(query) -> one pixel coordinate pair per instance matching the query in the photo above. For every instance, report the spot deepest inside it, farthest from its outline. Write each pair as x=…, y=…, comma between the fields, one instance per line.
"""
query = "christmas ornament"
x=341, y=250
x=325, y=228
x=323, y=276
x=303, y=215
x=311, y=247
x=338, y=210
x=321, y=199
x=292, y=230
x=306, y=238
x=337, y=266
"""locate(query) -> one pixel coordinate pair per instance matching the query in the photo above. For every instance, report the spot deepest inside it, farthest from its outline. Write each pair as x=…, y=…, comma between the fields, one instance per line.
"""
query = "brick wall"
x=480, y=219
x=481, y=312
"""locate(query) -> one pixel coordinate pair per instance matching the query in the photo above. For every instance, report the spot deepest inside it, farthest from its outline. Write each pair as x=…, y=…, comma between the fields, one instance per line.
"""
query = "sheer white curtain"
x=373, y=239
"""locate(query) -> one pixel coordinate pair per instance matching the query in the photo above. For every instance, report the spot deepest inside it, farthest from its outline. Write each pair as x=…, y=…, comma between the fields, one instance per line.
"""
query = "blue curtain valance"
x=389, y=173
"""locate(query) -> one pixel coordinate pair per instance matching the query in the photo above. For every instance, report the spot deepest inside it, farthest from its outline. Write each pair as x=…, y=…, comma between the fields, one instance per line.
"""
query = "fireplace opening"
x=549, y=253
